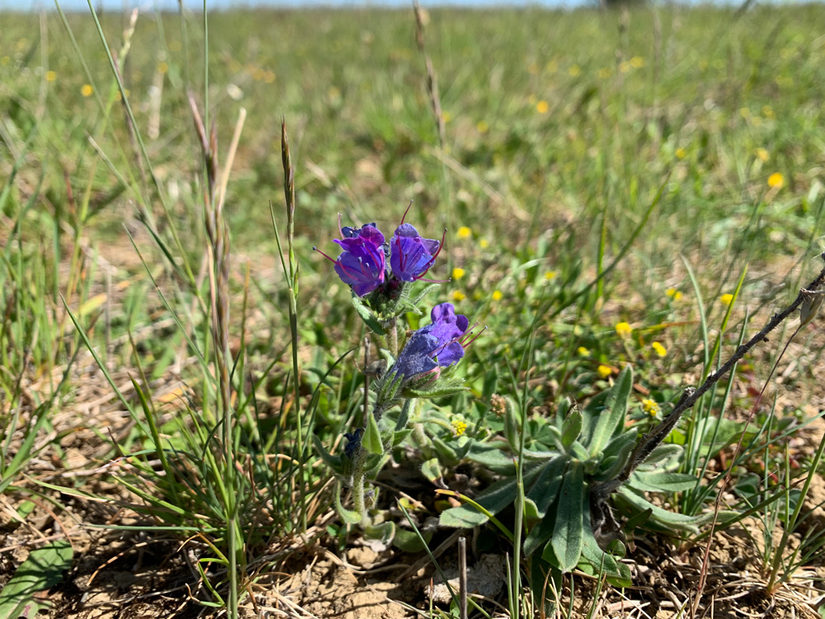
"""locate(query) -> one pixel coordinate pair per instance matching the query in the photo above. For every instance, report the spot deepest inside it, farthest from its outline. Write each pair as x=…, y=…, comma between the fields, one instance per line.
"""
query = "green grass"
x=598, y=168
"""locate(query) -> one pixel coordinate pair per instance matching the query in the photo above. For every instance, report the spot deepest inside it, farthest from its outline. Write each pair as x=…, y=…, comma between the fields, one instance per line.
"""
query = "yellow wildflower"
x=458, y=273
x=681, y=153
x=542, y=107
x=762, y=154
x=464, y=232
x=637, y=62
x=673, y=294
x=548, y=275
x=51, y=76
x=459, y=426
x=482, y=126
x=87, y=90
x=623, y=329
x=497, y=295
x=604, y=371
x=650, y=407
x=659, y=349
x=163, y=67
x=767, y=111
x=776, y=180
x=446, y=117
x=583, y=352
x=483, y=243
x=574, y=71
x=726, y=298
x=603, y=73
x=458, y=295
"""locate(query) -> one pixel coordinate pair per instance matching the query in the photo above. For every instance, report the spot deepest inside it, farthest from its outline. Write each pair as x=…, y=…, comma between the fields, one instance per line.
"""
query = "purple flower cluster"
x=363, y=261
x=438, y=345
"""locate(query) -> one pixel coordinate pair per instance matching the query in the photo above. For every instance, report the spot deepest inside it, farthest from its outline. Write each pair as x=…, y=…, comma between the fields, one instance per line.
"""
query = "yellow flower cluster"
x=673, y=294
x=459, y=426
x=604, y=370
x=726, y=299
x=623, y=329
x=776, y=180
x=650, y=407
x=659, y=349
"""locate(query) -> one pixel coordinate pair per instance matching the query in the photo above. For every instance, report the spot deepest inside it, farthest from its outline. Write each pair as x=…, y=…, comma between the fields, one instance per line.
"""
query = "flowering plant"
x=383, y=277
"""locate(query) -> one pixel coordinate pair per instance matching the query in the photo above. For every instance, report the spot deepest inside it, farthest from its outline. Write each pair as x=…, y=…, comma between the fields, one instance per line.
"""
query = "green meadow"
x=199, y=411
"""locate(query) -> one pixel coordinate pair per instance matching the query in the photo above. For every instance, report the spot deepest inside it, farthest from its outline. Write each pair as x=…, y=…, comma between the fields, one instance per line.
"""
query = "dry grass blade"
x=432, y=80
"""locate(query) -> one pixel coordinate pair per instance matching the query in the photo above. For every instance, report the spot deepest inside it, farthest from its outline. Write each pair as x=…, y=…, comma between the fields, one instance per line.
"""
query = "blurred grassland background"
x=561, y=128
x=558, y=125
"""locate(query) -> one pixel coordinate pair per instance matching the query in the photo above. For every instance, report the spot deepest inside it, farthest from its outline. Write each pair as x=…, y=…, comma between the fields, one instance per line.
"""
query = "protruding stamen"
x=473, y=337
x=333, y=260
x=431, y=261
x=404, y=216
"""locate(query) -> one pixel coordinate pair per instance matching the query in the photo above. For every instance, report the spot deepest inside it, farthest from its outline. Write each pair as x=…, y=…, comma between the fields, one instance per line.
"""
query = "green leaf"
x=512, y=426
x=431, y=469
x=571, y=428
x=43, y=569
x=499, y=495
x=613, y=416
x=347, y=515
x=383, y=532
x=562, y=411
x=548, y=483
x=616, y=455
x=617, y=572
x=666, y=456
x=372, y=437
x=531, y=512
x=658, y=514
x=539, y=536
x=409, y=541
x=333, y=462
x=568, y=531
x=367, y=315
x=662, y=481
x=446, y=452
x=493, y=457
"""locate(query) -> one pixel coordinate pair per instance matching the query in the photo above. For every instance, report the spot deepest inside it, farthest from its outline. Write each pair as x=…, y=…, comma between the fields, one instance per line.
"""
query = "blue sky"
x=115, y=5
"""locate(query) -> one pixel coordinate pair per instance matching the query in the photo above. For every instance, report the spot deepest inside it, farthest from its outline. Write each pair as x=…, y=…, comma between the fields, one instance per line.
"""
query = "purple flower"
x=362, y=264
x=411, y=255
x=436, y=345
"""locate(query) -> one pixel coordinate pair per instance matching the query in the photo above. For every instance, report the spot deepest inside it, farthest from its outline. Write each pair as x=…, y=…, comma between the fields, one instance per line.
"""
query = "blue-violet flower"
x=411, y=255
x=362, y=264
x=436, y=345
